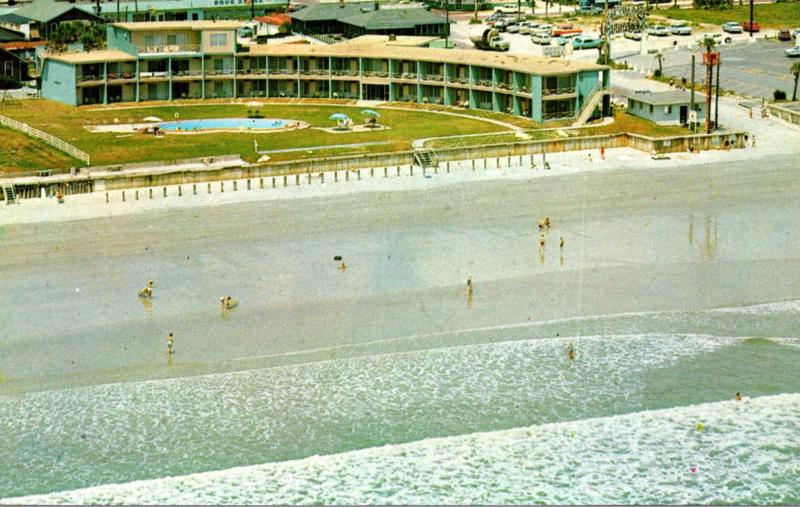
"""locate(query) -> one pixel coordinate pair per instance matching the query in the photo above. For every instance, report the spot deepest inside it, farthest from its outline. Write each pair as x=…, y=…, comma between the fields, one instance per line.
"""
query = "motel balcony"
x=186, y=74
x=169, y=48
x=558, y=93
x=283, y=73
x=407, y=76
x=315, y=73
x=432, y=78
x=482, y=83
x=344, y=73
x=154, y=75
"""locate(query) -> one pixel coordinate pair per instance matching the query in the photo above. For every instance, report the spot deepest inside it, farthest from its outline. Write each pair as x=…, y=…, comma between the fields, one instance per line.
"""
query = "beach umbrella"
x=153, y=119
x=254, y=104
x=370, y=112
x=338, y=117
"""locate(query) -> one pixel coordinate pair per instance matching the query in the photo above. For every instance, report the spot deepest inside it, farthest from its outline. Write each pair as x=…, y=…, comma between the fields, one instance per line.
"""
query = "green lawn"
x=406, y=125
x=19, y=153
x=68, y=124
x=777, y=15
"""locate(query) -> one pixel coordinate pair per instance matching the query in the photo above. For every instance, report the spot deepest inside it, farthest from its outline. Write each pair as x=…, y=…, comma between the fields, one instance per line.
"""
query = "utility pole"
x=606, y=47
x=252, y=9
x=519, y=10
x=716, y=102
x=691, y=100
x=709, y=61
x=751, y=19
x=447, y=22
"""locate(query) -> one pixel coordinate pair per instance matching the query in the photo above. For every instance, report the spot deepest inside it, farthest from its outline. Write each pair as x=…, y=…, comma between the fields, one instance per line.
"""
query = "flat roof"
x=105, y=55
x=180, y=25
x=370, y=49
x=400, y=40
x=663, y=98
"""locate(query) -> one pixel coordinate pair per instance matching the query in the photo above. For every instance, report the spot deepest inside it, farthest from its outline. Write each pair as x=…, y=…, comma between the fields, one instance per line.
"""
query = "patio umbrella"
x=153, y=119
x=338, y=117
x=370, y=112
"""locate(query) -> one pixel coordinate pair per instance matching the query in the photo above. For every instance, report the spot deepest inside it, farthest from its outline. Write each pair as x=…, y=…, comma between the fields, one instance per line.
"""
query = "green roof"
x=44, y=11
x=329, y=11
x=10, y=35
x=387, y=19
x=14, y=19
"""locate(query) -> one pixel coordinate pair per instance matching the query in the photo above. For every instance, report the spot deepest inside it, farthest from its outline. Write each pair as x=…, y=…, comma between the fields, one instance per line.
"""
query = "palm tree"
x=709, y=43
x=659, y=56
x=795, y=69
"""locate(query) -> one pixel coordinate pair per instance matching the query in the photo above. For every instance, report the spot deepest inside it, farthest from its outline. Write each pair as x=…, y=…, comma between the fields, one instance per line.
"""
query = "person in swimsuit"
x=170, y=340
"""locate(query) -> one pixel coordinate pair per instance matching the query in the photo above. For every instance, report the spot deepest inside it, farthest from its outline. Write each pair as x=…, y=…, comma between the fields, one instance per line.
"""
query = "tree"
x=795, y=69
x=660, y=56
x=709, y=43
x=91, y=36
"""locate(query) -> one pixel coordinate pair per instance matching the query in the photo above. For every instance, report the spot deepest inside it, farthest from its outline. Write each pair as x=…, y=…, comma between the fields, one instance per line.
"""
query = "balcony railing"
x=486, y=83
x=523, y=89
x=219, y=72
x=146, y=75
x=121, y=75
x=187, y=73
x=405, y=75
x=342, y=72
x=257, y=72
x=314, y=72
x=89, y=77
x=558, y=115
x=376, y=73
x=432, y=77
x=504, y=86
x=344, y=95
x=459, y=80
x=283, y=71
x=170, y=48
x=558, y=91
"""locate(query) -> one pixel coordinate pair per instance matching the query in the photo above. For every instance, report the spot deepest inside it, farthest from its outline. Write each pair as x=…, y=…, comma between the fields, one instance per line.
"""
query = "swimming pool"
x=228, y=124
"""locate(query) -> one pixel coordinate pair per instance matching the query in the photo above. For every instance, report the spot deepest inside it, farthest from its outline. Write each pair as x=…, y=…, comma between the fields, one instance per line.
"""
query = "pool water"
x=227, y=123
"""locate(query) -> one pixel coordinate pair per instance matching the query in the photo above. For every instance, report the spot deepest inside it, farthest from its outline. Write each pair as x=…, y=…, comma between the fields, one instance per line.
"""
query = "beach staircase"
x=9, y=194
x=589, y=106
x=425, y=157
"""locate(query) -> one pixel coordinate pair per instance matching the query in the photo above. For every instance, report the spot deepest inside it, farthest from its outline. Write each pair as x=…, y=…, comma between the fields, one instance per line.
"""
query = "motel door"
x=684, y=115
x=376, y=92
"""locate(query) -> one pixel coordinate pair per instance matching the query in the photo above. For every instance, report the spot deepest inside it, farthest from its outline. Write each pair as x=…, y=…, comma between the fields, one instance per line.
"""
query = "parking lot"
x=752, y=69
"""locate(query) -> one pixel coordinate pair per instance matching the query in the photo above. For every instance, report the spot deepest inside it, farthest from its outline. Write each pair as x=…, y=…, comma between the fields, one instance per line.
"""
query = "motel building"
x=201, y=60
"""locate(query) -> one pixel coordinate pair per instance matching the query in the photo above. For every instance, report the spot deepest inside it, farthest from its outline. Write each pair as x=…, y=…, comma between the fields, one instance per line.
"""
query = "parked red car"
x=747, y=28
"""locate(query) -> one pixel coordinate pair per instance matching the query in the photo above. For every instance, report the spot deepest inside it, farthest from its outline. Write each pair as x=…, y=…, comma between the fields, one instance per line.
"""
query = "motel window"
x=651, y=108
x=176, y=40
x=219, y=40
x=8, y=69
x=668, y=109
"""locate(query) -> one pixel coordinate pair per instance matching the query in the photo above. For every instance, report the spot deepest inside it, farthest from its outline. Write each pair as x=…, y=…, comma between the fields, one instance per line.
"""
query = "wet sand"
x=691, y=237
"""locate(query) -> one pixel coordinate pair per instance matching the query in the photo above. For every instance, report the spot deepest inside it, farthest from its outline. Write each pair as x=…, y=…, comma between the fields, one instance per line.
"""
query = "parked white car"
x=545, y=28
x=526, y=27
x=732, y=27
x=542, y=38
x=657, y=30
x=680, y=28
x=792, y=52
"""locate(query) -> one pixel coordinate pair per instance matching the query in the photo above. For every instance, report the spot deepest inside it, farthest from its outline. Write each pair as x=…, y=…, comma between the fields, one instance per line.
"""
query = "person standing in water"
x=570, y=352
x=170, y=340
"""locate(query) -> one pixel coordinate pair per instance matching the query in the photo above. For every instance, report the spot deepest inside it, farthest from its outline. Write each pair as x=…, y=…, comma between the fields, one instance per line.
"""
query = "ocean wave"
x=744, y=453
x=124, y=432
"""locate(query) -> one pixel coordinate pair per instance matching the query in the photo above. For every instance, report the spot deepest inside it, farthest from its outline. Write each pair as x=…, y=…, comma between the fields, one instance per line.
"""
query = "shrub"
x=779, y=95
x=657, y=73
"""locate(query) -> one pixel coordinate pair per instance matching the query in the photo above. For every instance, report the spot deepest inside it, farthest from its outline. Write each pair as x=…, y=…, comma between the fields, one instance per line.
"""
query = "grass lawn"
x=416, y=122
x=19, y=152
x=68, y=123
x=777, y=15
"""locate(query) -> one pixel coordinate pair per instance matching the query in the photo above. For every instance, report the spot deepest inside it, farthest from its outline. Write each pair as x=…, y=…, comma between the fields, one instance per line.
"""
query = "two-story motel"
x=200, y=59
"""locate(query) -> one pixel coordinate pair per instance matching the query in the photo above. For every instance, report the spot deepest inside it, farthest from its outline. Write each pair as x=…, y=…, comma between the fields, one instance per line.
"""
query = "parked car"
x=512, y=28
x=586, y=42
x=633, y=35
x=747, y=28
x=657, y=30
x=792, y=52
x=796, y=33
x=566, y=38
x=784, y=35
x=500, y=25
x=680, y=28
x=718, y=37
x=732, y=27
x=544, y=27
x=593, y=10
x=542, y=38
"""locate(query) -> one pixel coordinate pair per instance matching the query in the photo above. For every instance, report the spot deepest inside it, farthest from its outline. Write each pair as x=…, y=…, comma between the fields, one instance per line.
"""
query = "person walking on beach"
x=561, y=243
x=570, y=352
x=170, y=340
x=469, y=284
x=739, y=397
x=541, y=241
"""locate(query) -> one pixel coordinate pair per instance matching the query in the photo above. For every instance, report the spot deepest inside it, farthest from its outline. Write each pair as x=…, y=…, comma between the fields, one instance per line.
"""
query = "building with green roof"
x=42, y=17
x=368, y=18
